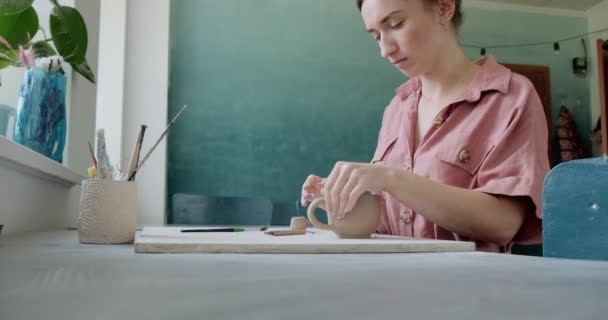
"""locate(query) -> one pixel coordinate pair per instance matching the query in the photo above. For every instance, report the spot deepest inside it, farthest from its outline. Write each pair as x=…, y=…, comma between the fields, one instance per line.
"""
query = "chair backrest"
x=575, y=210
x=6, y=112
x=220, y=210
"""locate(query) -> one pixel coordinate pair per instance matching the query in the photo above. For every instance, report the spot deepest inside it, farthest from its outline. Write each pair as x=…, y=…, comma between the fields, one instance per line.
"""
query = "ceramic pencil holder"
x=108, y=212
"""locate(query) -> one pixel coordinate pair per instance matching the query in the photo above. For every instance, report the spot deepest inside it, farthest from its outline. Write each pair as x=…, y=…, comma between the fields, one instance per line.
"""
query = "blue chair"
x=575, y=210
x=6, y=113
x=220, y=210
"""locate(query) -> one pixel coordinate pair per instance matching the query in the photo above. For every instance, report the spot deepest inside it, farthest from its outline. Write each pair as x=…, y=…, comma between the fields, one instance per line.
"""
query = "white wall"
x=83, y=97
x=598, y=19
x=147, y=86
x=133, y=89
x=110, y=80
x=29, y=203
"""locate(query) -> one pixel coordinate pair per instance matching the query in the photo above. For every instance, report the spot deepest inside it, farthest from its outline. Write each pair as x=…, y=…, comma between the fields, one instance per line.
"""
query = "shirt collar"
x=491, y=76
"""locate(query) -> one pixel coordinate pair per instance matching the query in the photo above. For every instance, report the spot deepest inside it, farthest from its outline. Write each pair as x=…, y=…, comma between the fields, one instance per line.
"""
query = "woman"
x=462, y=151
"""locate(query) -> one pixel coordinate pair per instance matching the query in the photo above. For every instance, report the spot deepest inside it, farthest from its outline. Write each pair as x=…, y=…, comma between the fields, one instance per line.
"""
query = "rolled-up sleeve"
x=518, y=162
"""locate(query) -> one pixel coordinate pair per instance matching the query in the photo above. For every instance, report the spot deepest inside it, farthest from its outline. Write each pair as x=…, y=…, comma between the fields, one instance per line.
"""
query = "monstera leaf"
x=8, y=7
x=70, y=37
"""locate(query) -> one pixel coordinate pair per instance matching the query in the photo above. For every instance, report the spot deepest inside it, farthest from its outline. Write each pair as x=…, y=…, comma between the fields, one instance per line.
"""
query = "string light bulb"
x=483, y=52
x=556, y=48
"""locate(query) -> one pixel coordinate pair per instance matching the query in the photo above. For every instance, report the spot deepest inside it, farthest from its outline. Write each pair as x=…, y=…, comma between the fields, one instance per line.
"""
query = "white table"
x=49, y=275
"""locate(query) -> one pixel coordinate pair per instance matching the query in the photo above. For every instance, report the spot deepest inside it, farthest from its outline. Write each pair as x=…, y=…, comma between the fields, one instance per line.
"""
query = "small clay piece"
x=297, y=226
x=299, y=223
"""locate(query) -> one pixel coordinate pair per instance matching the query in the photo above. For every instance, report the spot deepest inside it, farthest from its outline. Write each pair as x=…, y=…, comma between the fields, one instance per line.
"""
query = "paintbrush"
x=92, y=154
x=156, y=144
x=136, y=152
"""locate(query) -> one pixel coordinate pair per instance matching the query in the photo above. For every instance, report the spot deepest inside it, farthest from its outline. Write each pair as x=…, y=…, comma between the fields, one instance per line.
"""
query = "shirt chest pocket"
x=384, y=148
x=458, y=162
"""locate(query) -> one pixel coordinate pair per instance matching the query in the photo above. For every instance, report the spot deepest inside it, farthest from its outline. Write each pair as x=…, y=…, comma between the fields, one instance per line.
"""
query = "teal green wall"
x=282, y=89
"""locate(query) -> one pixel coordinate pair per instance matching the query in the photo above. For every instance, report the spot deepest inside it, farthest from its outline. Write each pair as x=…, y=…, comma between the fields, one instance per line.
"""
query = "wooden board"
x=171, y=240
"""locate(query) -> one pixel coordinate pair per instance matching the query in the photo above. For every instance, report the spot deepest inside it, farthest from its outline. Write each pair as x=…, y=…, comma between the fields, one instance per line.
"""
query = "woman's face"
x=408, y=33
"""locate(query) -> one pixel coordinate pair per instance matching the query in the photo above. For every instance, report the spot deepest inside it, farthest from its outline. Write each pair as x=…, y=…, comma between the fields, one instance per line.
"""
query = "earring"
x=444, y=26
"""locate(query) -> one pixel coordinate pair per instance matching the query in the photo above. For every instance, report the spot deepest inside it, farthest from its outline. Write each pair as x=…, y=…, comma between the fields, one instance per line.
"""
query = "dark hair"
x=456, y=19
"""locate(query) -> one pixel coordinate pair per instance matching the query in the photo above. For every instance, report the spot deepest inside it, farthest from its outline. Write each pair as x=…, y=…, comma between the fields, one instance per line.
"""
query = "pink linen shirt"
x=493, y=139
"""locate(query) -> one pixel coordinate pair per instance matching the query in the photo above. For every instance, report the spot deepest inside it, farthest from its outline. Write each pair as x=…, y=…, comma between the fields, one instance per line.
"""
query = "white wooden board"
x=171, y=240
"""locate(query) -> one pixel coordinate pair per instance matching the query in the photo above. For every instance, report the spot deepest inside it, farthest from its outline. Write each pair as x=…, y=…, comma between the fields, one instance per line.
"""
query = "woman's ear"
x=445, y=10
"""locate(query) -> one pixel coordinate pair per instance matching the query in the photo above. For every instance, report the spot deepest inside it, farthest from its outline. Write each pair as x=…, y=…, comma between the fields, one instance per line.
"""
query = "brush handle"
x=136, y=152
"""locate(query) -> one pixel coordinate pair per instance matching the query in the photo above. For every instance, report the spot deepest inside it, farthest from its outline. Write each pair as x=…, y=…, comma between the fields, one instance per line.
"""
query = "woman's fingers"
x=338, y=197
x=306, y=190
x=343, y=187
x=308, y=197
x=329, y=185
x=352, y=176
x=353, y=198
x=311, y=189
x=305, y=198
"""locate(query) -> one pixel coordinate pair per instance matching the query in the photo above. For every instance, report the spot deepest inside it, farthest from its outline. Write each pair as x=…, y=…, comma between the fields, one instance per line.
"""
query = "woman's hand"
x=348, y=181
x=312, y=189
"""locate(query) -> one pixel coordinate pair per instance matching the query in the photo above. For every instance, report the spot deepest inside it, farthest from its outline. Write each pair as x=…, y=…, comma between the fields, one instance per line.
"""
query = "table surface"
x=50, y=275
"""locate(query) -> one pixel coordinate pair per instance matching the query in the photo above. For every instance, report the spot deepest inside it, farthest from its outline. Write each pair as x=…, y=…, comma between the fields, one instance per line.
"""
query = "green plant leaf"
x=14, y=6
x=43, y=49
x=84, y=69
x=15, y=27
x=8, y=58
x=69, y=33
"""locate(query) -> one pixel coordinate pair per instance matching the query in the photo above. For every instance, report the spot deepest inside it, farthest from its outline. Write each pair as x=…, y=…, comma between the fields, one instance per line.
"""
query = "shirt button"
x=406, y=216
x=408, y=164
x=439, y=121
x=464, y=156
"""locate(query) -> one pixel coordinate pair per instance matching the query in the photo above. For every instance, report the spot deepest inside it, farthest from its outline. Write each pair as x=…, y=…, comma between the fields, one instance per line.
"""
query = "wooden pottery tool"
x=285, y=232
